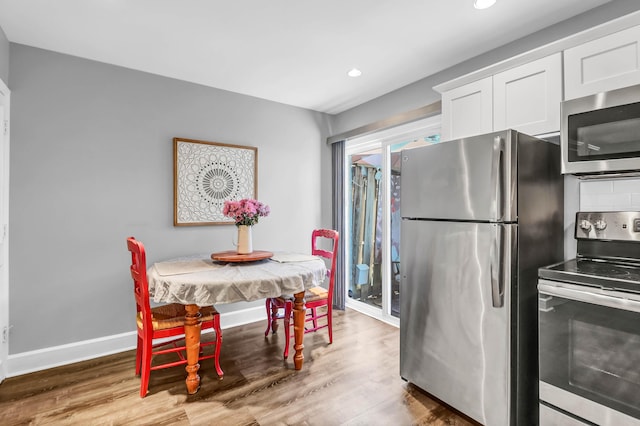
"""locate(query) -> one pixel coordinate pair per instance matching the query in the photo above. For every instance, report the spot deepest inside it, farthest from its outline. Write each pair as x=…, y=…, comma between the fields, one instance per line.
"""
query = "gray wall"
x=421, y=93
x=92, y=163
x=4, y=57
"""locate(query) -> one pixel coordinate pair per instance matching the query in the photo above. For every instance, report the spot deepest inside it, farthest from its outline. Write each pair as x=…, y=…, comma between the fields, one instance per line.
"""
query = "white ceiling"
x=292, y=51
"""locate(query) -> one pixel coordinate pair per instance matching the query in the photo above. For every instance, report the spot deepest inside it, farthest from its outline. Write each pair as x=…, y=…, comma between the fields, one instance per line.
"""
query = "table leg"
x=192, y=342
x=298, y=329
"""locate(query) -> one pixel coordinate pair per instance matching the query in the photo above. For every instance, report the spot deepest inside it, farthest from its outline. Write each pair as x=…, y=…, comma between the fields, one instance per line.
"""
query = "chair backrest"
x=331, y=255
x=140, y=283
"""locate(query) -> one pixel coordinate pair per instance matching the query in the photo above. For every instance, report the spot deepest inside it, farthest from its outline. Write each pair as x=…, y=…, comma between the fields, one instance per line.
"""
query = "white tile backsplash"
x=610, y=194
x=571, y=206
x=627, y=185
x=595, y=187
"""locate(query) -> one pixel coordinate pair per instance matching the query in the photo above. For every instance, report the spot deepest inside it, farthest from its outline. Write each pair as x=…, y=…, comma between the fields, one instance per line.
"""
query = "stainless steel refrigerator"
x=480, y=215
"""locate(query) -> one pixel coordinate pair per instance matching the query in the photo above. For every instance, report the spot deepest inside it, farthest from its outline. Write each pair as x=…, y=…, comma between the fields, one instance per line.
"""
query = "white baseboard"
x=3, y=372
x=55, y=356
x=41, y=359
x=243, y=316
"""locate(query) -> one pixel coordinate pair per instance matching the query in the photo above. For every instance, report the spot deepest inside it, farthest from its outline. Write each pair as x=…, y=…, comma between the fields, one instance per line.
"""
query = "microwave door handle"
x=497, y=267
x=589, y=297
x=498, y=178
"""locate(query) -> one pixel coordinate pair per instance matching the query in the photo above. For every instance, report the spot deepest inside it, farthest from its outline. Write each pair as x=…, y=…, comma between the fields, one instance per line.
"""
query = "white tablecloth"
x=202, y=281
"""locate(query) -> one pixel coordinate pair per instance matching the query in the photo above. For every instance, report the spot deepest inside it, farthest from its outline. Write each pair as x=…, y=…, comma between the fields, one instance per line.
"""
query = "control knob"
x=600, y=225
x=585, y=225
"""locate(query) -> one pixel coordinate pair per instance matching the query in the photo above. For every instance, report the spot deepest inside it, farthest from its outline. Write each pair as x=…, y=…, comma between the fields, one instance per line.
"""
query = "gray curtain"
x=337, y=159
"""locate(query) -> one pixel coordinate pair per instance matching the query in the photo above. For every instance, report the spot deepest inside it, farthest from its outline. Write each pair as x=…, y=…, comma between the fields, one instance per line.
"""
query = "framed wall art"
x=205, y=175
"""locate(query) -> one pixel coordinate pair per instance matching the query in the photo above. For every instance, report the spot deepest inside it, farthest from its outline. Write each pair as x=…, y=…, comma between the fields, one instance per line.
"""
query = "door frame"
x=385, y=139
x=5, y=97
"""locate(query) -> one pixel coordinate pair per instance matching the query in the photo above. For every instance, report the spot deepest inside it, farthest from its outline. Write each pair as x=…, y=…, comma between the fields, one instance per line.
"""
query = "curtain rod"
x=387, y=123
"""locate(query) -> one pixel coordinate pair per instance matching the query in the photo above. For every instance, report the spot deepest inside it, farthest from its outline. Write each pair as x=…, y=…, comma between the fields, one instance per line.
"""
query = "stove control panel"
x=615, y=226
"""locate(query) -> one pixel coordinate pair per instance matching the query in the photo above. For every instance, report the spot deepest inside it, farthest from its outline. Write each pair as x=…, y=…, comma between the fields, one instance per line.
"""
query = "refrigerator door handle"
x=498, y=178
x=498, y=266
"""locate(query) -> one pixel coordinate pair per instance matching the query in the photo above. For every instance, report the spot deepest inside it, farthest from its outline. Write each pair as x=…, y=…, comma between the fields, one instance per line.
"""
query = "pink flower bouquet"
x=246, y=211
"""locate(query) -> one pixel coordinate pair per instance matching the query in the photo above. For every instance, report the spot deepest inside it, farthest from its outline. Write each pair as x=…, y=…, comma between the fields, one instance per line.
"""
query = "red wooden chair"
x=315, y=297
x=162, y=322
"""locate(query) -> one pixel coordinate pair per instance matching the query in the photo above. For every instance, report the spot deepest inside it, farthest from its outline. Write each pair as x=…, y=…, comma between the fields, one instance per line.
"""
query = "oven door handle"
x=584, y=295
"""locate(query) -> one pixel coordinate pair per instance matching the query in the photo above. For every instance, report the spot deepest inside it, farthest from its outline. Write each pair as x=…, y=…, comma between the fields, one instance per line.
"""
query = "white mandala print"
x=209, y=174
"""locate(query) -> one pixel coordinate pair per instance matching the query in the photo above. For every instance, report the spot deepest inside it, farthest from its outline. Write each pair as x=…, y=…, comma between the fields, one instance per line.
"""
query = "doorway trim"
x=5, y=97
x=384, y=139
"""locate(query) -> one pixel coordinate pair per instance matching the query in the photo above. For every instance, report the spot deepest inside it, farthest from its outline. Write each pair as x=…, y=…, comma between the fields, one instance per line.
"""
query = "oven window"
x=592, y=351
x=606, y=133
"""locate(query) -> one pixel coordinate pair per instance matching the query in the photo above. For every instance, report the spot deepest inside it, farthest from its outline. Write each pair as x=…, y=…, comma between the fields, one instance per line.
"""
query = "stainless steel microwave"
x=600, y=134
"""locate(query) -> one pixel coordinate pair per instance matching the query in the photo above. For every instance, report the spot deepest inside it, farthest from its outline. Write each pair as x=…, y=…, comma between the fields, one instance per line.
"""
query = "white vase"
x=245, y=243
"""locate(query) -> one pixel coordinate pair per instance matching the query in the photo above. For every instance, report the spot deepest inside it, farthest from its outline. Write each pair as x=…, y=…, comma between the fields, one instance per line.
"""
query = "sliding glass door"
x=372, y=197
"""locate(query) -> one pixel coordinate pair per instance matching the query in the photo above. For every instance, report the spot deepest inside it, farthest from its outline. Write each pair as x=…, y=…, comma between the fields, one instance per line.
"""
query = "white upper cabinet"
x=527, y=98
x=524, y=92
x=467, y=110
x=607, y=63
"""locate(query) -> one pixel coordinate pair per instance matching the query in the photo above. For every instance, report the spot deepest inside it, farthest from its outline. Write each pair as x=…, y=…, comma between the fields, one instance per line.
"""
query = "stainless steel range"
x=589, y=326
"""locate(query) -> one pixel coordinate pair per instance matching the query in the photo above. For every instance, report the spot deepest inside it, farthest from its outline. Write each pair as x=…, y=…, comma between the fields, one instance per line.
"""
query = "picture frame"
x=205, y=175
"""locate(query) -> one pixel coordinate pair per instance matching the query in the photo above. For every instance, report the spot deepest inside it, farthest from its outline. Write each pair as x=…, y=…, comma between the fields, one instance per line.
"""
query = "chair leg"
x=269, y=319
x=218, y=330
x=138, y=355
x=288, y=308
x=274, y=317
x=314, y=316
x=146, y=367
x=330, y=322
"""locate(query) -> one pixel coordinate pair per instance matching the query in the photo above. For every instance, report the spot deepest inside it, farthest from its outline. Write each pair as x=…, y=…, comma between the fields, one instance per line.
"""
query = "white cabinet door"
x=467, y=110
x=527, y=98
x=607, y=63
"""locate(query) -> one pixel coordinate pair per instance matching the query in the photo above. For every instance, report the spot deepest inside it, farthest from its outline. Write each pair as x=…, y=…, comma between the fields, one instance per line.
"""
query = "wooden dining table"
x=198, y=280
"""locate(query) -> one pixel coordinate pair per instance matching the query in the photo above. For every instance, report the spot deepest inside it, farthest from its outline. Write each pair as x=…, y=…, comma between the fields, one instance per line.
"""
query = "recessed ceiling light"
x=483, y=4
x=354, y=72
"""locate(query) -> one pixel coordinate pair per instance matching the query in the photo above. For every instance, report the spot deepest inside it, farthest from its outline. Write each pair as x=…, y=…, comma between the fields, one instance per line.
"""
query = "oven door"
x=589, y=343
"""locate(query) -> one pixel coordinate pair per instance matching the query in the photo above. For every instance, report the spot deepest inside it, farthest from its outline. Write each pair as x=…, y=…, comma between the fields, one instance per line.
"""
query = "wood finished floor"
x=354, y=381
